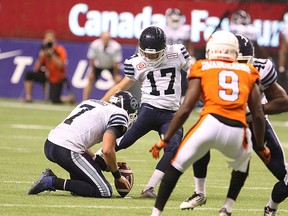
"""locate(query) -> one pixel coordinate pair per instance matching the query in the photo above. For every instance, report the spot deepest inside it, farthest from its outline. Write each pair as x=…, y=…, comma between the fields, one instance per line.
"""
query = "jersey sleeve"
x=130, y=67
x=187, y=60
x=195, y=70
x=91, y=50
x=268, y=72
x=118, y=119
x=62, y=53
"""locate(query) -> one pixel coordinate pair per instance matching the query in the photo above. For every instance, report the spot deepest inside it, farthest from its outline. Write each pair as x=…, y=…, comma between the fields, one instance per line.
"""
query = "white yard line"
x=51, y=107
x=125, y=207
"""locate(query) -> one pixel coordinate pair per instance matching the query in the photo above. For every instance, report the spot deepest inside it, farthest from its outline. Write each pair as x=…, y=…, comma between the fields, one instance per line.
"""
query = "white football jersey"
x=178, y=35
x=86, y=124
x=160, y=86
x=105, y=57
x=249, y=31
x=268, y=74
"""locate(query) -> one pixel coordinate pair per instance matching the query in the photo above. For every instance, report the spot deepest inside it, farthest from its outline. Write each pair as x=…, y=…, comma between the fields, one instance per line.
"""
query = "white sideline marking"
x=50, y=107
x=125, y=207
x=141, y=185
x=35, y=127
x=22, y=137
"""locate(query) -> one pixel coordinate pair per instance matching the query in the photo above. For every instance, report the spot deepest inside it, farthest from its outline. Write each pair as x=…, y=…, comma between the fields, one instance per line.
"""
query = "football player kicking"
x=274, y=100
x=157, y=67
x=226, y=87
x=92, y=121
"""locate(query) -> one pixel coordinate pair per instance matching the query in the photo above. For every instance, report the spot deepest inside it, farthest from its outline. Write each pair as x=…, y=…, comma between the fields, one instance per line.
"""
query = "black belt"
x=227, y=121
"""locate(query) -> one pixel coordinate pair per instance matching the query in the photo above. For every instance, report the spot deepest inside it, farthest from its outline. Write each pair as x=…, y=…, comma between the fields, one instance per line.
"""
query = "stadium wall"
x=78, y=23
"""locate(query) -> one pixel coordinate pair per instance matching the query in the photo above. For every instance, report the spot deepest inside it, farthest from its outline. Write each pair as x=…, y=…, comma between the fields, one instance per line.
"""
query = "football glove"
x=157, y=148
x=265, y=154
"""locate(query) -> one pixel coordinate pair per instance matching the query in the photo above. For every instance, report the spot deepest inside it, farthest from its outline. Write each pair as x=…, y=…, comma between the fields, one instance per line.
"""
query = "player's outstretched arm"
x=124, y=85
x=277, y=100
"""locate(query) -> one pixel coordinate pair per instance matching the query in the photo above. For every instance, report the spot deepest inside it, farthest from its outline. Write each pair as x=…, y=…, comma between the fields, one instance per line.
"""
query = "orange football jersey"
x=225, y=87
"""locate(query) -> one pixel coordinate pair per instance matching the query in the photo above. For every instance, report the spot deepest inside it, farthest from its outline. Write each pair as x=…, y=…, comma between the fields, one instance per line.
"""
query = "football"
x=128, y=174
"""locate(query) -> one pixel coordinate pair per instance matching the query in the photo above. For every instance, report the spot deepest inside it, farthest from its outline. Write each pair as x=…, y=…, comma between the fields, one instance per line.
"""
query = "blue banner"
x=19, y=56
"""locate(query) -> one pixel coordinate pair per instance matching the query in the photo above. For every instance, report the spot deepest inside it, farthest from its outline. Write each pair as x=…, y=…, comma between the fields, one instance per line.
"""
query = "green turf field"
x=24, y=128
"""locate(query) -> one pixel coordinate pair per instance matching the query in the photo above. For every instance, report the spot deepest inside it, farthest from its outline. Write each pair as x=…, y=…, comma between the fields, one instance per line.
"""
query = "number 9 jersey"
x=226, y=87
x=160, y=85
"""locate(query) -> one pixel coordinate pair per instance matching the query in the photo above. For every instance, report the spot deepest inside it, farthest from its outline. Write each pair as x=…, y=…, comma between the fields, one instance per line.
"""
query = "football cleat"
x=269, y=211
x=193, y=201
x=149, y=193
x=44, y=182
x=224, y=212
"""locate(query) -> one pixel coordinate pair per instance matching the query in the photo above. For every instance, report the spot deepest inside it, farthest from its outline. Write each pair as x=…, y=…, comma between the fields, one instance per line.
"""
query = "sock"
x=99, y=152
x=200, y=185
x=272, y=204
x=236, y=183
x=279, y=192
x=156, y=212
x=155, y=179
x=228, y=204
x=58, y=183
x=167, y=185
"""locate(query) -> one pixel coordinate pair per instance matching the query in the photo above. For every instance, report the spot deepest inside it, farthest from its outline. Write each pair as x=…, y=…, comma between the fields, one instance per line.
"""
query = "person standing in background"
x=50, y=66
x=103, y=53
x=177, y=32
x=241, y=24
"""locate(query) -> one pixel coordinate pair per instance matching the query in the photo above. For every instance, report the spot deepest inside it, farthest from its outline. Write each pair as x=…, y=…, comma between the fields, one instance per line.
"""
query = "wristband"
x=164, y=140
x=116, y=174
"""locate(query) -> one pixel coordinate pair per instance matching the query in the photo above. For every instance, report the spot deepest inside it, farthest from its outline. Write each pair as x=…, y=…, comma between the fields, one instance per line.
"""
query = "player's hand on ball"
x=265, y=154
x=157, y=148
x=124, y=184
x=124, y=181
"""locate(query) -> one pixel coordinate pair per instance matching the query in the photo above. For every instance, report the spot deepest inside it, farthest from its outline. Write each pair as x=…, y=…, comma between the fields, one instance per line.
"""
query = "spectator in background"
x=283, y=55
x=49, y=67
x=103, y=53
x=240, y=23
x=177, y=32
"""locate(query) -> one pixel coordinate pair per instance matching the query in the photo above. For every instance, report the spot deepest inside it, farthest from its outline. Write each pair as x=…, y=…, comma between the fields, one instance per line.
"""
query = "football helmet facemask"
x=152, y=44
x=241, y=17
x=246, y=49
x=128, y=102
x=222, y=45
x=174, y=18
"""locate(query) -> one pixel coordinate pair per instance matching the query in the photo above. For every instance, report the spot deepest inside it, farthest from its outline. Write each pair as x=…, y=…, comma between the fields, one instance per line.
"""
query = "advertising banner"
x=82, y=21
x=19, y=56
x=77, y=23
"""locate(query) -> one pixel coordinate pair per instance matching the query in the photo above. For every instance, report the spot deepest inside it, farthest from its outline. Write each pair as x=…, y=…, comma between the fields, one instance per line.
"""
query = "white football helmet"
x=222, y=45
x=174, y=18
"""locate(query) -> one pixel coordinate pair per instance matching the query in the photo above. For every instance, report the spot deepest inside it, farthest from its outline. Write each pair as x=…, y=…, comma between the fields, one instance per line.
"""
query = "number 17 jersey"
x=161, y=85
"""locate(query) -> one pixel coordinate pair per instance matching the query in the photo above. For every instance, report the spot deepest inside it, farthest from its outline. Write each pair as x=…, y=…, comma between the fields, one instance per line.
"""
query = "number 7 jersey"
x=225, y=87
x=161, y=85
x=86, y=124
